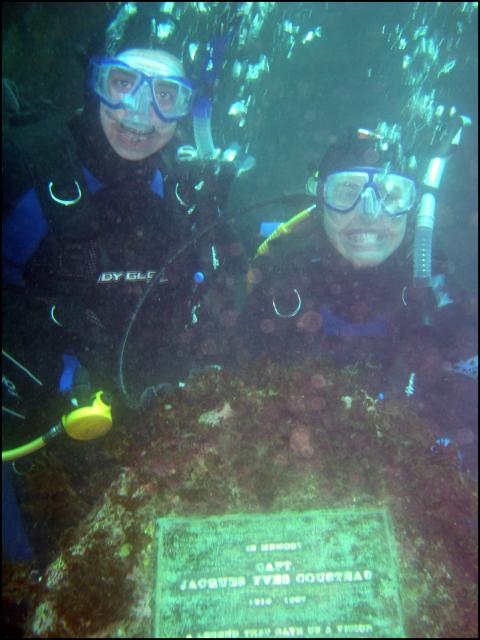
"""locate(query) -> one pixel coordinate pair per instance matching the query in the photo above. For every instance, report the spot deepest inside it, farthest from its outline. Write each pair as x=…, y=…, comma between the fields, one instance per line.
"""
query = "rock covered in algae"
x=213, y=418
x=243, y=459
x=300, y=442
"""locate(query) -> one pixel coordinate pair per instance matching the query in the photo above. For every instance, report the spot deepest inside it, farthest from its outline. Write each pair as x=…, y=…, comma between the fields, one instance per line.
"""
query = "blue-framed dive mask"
x=122, y=86
x=378, y=191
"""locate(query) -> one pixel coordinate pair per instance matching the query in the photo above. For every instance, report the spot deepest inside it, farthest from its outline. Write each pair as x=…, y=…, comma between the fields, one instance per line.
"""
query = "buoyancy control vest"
x=47, y=191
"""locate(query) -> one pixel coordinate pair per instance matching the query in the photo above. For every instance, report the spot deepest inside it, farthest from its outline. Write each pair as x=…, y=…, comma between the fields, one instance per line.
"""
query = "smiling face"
x=137, y=133
x=127, y=141
x=362, y=240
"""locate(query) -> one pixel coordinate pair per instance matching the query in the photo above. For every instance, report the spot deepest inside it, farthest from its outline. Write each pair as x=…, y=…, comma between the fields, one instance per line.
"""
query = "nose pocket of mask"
x=371, y=205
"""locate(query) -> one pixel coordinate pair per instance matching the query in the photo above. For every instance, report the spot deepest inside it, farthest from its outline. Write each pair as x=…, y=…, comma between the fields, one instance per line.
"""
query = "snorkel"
x=202, y=128
x=425, y=221
x=202, y=107
x=210, y=67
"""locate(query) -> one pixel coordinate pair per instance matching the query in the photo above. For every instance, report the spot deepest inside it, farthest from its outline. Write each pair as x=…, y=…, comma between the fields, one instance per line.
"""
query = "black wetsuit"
x=93, y=260
x=307, y=300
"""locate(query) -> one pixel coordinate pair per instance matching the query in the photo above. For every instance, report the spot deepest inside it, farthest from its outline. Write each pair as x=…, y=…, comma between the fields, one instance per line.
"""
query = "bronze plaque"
x=316, y=574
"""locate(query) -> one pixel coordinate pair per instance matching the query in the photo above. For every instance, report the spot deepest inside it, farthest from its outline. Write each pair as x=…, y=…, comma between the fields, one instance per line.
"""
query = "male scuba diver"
x=95, y=213
x=336, y=281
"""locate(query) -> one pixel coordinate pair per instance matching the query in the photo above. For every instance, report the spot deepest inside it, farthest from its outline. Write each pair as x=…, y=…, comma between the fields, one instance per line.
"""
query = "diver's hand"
x=81, y=390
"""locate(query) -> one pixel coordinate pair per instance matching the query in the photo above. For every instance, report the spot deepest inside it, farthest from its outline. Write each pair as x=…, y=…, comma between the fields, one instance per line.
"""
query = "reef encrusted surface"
x=273, y=439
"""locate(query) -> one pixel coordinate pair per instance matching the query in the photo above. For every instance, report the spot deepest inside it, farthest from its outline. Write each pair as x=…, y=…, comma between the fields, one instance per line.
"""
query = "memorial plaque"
x=316, y=574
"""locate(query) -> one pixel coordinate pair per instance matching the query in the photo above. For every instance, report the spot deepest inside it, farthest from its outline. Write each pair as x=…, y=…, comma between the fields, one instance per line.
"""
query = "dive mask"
x=122, y=86
x=380, y=192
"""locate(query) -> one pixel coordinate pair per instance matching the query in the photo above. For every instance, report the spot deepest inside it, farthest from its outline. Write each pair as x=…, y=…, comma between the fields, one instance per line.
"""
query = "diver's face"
x=362, y=240
x=130, y=143
x=139, y=132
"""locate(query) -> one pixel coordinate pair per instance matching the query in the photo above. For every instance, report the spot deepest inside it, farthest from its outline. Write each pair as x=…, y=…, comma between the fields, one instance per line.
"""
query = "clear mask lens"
x=167, y=96
x=120, y=84
x=124, y=87
x=391, y=193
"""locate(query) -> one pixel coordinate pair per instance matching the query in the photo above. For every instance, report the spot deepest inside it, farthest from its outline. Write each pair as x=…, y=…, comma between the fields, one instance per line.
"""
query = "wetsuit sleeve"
x=24, y=224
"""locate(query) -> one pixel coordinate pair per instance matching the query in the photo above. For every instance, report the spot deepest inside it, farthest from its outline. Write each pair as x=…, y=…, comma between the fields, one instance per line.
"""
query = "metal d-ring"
x=293, y=313
x=65, y=203
x=52, y=312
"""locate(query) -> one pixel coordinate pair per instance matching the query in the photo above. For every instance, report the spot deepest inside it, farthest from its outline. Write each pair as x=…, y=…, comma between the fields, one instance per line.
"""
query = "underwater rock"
x=318, y=381
x=300, y=442
x=265, y=441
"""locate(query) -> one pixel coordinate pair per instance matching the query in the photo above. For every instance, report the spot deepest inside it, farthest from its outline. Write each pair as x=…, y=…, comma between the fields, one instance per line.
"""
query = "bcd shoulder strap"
x=56, y=171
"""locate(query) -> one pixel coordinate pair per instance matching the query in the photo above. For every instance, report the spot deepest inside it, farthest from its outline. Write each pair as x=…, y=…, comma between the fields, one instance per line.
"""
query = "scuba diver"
x=94, y=214
x=352, y=278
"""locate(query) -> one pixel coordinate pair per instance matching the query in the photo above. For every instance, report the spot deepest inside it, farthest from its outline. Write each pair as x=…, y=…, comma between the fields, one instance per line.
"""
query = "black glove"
x=155, y=393
x=81, y=389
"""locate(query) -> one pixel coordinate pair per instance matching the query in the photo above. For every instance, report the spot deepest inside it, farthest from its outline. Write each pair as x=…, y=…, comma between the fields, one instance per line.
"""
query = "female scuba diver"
x=96, y=210
x=351, y=281
x=351, y=278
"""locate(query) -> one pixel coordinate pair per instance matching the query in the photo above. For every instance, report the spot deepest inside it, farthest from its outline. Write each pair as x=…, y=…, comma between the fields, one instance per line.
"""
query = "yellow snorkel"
x=83, y=423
